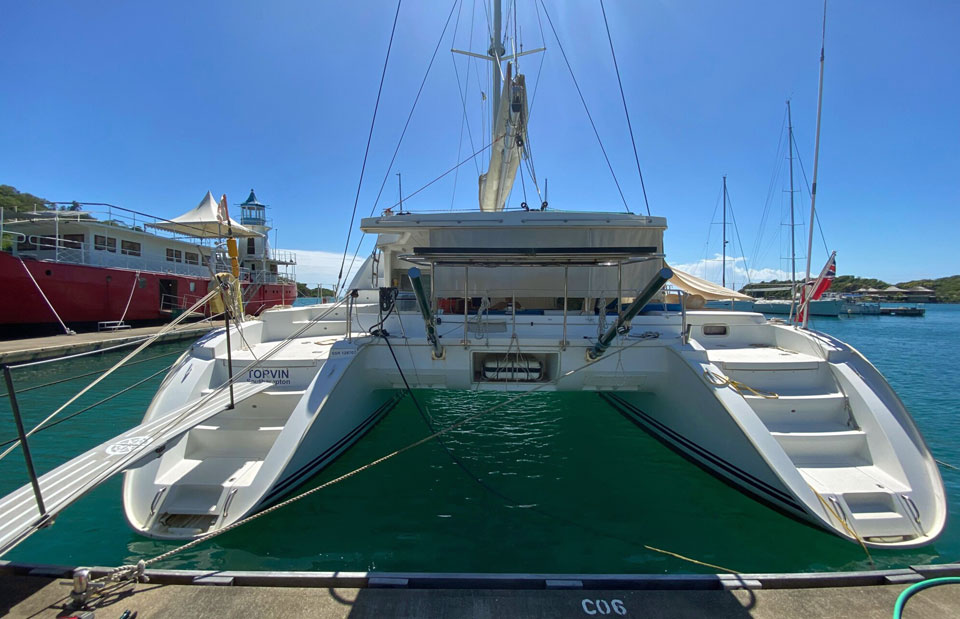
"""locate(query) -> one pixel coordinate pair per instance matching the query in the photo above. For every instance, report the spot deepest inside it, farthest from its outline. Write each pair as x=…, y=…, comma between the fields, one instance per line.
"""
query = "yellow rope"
x=844, y=523
x=135, y=572
x=718, y=380
x=679, y=556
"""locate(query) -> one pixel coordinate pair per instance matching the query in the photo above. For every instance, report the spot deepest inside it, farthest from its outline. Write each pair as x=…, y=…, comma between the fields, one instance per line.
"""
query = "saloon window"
x=191, y=258
x=174, y=255
x=72, y=241
x=130, y=248
x=104, y=243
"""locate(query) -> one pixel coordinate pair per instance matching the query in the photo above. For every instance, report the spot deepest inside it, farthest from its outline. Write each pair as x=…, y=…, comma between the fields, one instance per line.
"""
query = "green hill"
x=304, y=290
x=947, y=288
x=17, y=201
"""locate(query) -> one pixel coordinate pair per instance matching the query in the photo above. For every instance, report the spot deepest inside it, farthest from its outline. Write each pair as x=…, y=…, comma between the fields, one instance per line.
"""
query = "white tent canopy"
x=708, y=290
x=202, y=222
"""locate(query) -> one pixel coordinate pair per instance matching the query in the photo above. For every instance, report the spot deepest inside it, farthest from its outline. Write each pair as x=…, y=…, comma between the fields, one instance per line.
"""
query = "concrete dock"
x=37, y=592
x=37, y=348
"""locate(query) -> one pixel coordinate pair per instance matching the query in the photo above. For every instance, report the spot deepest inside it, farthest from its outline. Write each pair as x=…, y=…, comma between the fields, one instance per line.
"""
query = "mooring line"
x=128, y=572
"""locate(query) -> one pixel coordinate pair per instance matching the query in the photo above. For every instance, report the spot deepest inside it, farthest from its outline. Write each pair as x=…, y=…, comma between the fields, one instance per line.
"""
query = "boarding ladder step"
x=19, y=515
x=818, y=412
x=825, y=449
x=775, y=370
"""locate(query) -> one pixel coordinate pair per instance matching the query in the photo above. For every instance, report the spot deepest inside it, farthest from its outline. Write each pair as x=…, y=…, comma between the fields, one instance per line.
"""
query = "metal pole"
x=563, y=342
x=226, y=322
x=723, y=276
x=434, y=305
x=623, y=322
x=466, y=302
x=793, y=246
x=684, y=333
x=496, y=52
x=816, y=160
x=23, y=440
x=400, y=192
x=349, y=326
x=428, y=320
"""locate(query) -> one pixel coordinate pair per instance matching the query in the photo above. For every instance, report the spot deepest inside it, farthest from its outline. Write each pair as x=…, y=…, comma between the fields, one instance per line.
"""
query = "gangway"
x=20, y=515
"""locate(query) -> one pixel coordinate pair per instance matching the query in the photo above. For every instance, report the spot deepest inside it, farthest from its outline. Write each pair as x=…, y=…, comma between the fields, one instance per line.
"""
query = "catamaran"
x=516, y=301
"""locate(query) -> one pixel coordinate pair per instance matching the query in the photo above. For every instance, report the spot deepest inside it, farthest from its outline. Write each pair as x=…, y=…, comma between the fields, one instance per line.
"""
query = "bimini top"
x=510, y=219
x=202, y=222
x=519, y=238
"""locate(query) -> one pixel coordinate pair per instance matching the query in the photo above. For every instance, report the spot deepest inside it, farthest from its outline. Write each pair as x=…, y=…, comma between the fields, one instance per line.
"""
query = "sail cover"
x=708, y=290
x=203, y=222
x=510, y=144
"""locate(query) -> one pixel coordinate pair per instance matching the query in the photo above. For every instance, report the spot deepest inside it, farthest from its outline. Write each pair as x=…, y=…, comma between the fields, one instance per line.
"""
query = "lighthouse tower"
x=256, y=253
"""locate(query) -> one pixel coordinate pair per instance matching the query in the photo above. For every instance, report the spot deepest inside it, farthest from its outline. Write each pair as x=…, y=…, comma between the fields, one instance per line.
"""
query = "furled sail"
x=510, y=139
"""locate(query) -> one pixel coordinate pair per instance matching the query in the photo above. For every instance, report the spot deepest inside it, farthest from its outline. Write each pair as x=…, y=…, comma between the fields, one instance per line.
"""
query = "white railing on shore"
x=75, y=252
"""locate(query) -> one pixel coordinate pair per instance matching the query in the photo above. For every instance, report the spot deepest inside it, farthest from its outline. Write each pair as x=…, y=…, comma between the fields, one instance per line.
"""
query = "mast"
x=816, y=158
x=508, y=119
x=793, y=244
x=723, y=277
x=495, y=52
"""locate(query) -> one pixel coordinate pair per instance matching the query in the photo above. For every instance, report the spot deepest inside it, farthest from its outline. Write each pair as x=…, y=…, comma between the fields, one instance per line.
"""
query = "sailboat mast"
x=793, y=236
x=723, y=277
x=816, y=156
x=496, y=52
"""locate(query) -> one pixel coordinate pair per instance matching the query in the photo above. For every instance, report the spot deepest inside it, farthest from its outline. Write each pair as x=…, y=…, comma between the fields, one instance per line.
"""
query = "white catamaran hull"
x=833, y=446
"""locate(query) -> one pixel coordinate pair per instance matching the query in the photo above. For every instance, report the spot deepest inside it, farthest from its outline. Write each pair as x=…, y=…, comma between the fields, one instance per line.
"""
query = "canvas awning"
x=202, y=222
x=708, y=290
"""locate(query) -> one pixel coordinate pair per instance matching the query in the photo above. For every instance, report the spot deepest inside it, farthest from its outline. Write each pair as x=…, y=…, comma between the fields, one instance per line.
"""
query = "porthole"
x=49, y=272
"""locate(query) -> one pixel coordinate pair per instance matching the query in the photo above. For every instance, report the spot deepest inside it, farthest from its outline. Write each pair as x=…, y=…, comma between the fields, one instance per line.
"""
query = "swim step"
x=873, y=502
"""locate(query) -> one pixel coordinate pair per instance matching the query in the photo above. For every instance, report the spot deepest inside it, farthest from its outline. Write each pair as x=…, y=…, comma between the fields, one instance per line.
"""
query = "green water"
x=553, y=483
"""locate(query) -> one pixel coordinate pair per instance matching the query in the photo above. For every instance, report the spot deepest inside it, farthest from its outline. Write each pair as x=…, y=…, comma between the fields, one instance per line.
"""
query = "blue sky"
x=149, y=105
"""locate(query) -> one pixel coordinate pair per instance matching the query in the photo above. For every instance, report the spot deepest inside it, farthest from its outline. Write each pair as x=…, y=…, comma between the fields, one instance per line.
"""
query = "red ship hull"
x=87, y=294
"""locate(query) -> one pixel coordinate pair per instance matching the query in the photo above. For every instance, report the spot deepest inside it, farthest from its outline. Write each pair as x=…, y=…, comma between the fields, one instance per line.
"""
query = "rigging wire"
x=623, y=98
x=807, y=182
x=778, y=158
x=366, y=152
x=47, y=426
x=410, y=195
x=463, y=119
x=462, y=91
x=543, y=54
x=736, y=229
x=713, y=221
x=399, y=142
x=413, y=107
x=585, y=108
x=86, y=374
